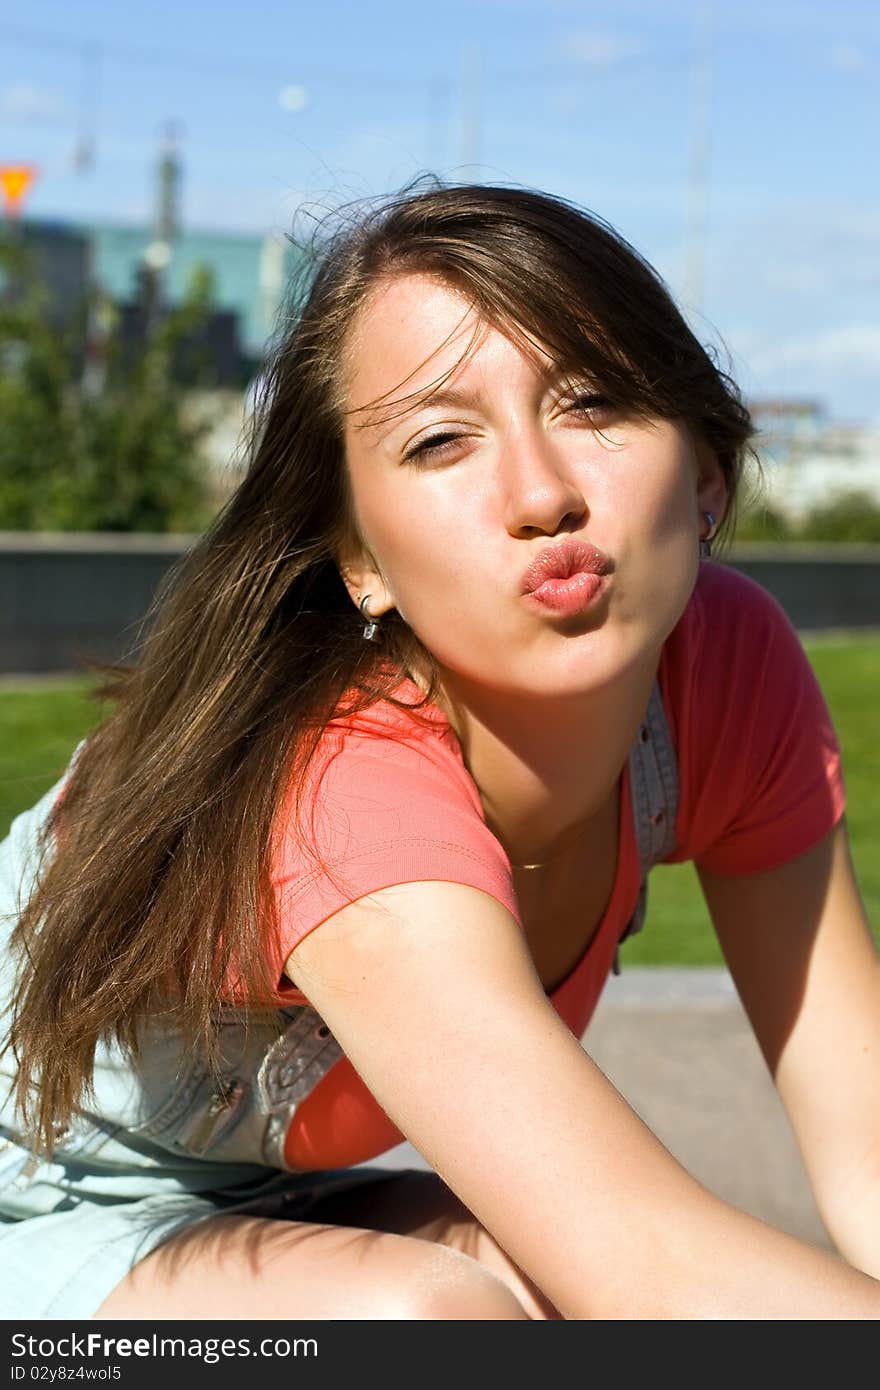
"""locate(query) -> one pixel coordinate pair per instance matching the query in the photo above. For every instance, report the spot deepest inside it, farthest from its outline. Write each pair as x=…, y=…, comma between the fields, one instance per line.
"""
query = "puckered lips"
x=563, y=560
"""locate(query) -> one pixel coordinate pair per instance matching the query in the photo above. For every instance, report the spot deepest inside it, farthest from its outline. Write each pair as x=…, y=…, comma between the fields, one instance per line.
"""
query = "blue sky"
x=734, y=144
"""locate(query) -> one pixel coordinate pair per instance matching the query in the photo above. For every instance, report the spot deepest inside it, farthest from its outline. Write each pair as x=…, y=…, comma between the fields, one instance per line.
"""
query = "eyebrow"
x=447, y=395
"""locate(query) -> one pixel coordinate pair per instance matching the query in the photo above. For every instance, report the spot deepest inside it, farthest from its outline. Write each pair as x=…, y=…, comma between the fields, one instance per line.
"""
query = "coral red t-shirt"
x=389, y=800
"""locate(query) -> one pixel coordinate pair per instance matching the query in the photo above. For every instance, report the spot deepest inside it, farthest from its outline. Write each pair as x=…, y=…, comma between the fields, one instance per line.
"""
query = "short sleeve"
x=763, y=776
x=377, y=810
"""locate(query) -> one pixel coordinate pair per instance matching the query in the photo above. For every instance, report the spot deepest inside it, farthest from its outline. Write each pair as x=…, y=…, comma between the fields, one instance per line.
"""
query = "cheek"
x=654, y=536
x=665, y=534
x=657, y=503
x=423, y=557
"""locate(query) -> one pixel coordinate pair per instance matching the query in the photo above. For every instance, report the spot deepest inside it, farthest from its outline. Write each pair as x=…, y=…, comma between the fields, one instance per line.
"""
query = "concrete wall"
x=819, y=586
x=65, y=597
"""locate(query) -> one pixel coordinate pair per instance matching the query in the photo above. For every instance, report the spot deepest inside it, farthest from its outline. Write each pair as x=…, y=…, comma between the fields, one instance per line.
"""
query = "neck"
x=546, y=767
x=556, y=853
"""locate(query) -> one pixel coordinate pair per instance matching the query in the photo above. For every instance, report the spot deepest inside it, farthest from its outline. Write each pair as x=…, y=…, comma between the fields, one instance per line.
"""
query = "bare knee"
x=446, y=1285
x=242, y=1267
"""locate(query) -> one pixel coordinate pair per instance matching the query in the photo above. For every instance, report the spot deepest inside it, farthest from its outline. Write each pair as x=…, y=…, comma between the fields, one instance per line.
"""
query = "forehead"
x=412, y=332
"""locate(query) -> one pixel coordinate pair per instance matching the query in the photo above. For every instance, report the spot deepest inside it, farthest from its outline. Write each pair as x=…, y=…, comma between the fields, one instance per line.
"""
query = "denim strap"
x=653, y=780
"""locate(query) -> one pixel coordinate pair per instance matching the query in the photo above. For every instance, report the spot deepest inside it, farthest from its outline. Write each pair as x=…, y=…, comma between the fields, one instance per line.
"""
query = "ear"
x=360, y=575
x=712, y=495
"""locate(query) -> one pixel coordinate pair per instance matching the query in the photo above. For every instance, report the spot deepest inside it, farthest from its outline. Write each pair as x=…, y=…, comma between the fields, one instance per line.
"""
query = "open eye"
x=586, y=403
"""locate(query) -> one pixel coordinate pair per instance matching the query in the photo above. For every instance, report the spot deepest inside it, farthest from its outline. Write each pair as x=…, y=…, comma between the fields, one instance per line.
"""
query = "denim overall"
x=653, y=781
x=161, y=1142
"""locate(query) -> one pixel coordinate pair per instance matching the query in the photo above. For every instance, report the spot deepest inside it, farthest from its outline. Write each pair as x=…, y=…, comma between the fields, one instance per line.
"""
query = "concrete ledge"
x=678, y=1046
x=67, y=597
x=668, y=987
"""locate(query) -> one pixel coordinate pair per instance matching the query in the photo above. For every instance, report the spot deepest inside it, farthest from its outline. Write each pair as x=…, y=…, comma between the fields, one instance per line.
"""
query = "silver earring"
x=706, y=541
x=371, y=626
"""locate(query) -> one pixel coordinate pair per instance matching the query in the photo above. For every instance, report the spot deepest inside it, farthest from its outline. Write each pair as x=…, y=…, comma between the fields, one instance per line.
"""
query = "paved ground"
x=678, y=1046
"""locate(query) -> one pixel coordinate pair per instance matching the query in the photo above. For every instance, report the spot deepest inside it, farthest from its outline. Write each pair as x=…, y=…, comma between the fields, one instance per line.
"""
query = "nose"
x=542, y=491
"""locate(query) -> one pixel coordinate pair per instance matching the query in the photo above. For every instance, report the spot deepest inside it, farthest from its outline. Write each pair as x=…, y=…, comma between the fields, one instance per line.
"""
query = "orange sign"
x=15, y=180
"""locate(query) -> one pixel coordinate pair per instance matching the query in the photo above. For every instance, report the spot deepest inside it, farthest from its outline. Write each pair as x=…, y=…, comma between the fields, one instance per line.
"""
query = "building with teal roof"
x=251, y=273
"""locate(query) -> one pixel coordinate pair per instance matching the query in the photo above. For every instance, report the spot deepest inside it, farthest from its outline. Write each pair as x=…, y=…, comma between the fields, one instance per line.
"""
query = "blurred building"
x=211, y=353
x=786, y=422
x=249, y=275
x=138, y=271
x=61, y=259
x=807, y=459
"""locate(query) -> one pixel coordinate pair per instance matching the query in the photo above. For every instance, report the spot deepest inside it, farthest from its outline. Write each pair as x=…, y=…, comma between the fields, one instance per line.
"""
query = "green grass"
x=41, y=724
x=678, y=930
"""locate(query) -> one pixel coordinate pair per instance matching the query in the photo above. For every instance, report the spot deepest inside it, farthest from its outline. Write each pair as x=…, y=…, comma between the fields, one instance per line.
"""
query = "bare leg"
x=421, y=1205
x=236, y=1267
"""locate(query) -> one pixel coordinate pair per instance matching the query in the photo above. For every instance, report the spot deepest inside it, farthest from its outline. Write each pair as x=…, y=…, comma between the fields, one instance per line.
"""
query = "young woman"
x=352, y=857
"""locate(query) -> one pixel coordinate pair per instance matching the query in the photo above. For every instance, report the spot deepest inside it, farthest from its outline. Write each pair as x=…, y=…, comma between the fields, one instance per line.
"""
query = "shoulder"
x=384, y=767
x=726, y=608
x=386, y=800
x=723, y=590
x=759, y=762
x=733, y=650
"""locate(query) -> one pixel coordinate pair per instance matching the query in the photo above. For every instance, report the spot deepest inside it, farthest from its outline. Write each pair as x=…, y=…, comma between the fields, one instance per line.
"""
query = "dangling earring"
x=706, y=541
x=371, y=626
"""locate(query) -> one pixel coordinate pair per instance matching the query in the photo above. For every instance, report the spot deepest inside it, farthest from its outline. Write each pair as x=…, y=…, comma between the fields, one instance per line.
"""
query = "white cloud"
x=293, y=98
x=853, y=345
x=847, y=57
x=808, y=251
x=26, y=101
x=373, y=158
x=796, y=277
x=826, y=271
x=862, y=223
x=599, y=49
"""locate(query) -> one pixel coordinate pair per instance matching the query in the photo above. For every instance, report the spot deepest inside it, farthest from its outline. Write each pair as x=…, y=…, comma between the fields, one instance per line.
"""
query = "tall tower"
x=167, y=220
x=166, y=223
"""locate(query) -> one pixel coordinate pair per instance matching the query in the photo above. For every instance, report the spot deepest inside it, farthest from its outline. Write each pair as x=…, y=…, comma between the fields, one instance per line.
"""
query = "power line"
x=564, y=74
x=149, y=56
x=146, y=56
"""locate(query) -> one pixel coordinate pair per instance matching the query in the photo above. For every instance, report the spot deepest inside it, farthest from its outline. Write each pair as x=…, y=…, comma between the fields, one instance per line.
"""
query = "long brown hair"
x=155, y=887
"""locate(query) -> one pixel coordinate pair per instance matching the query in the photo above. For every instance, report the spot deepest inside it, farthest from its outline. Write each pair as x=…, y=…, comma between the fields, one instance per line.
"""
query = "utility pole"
x=271, y=282
x=168, y=186
x=696, y=215
x=166, y=225
x=437, y=94
x=85, y=148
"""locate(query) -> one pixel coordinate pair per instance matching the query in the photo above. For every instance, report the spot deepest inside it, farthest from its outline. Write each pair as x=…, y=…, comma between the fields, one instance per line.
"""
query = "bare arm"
x=799, y=948
x=431, y=992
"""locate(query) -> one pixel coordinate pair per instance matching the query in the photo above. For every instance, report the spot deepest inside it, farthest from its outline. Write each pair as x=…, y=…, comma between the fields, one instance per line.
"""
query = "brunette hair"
x=155, y=884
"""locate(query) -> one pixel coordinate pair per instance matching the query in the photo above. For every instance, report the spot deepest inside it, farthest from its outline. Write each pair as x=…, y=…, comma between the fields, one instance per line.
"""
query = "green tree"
x=761, y=523
x=114, y=451
x=847, y=516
